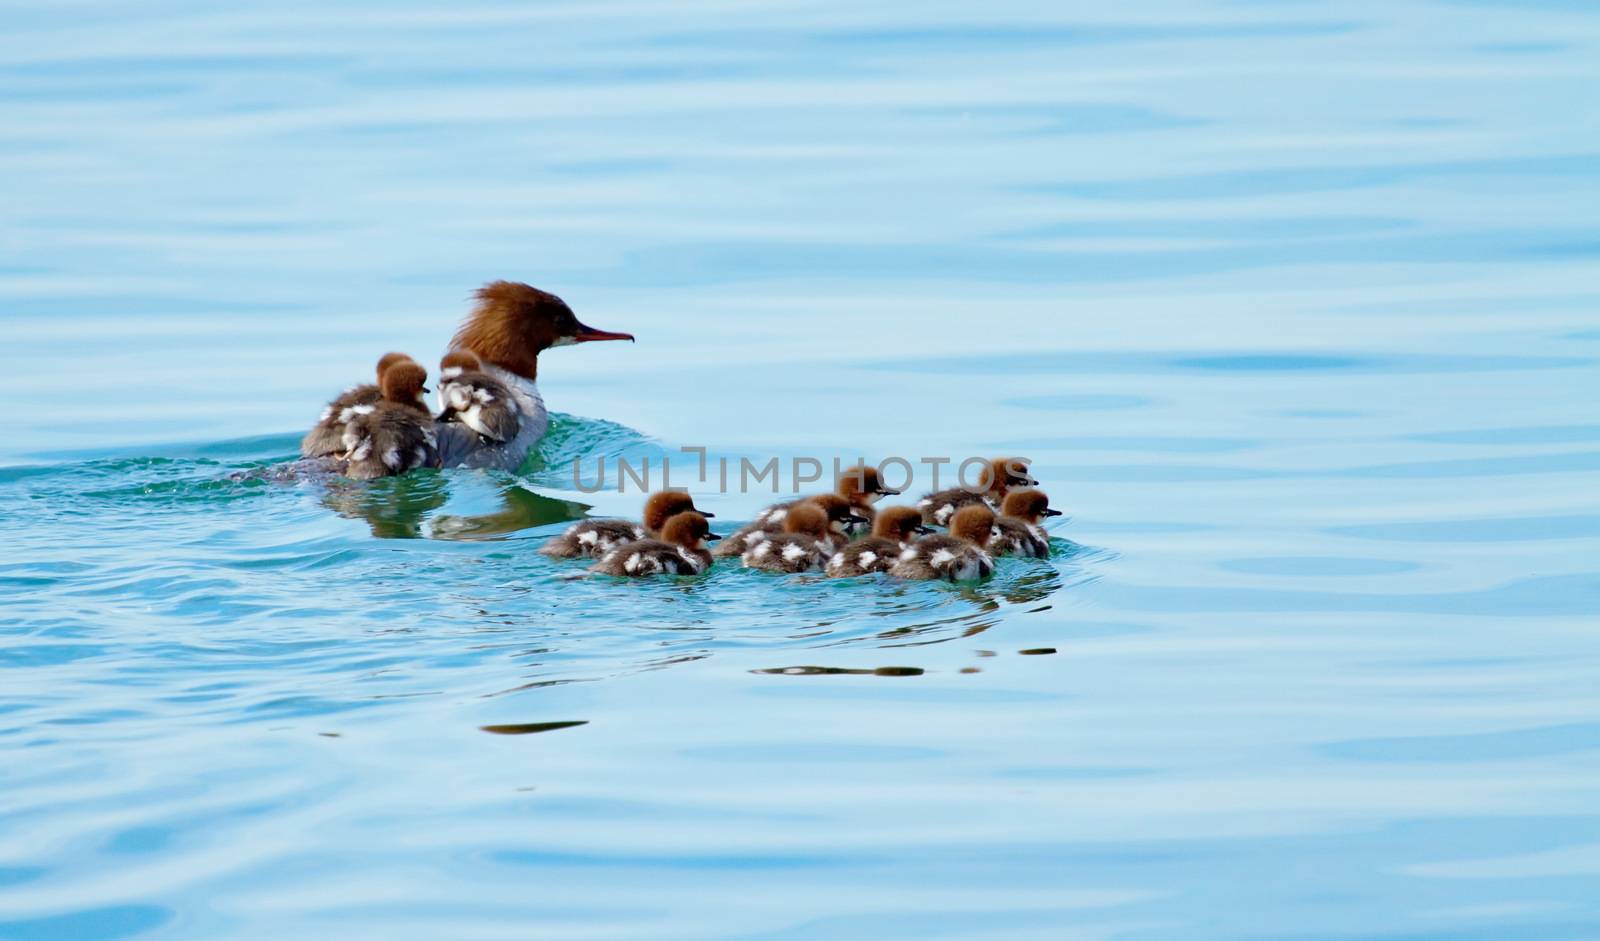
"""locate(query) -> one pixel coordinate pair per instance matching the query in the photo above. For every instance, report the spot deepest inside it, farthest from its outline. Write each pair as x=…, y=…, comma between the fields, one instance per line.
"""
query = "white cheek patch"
x=564, y=341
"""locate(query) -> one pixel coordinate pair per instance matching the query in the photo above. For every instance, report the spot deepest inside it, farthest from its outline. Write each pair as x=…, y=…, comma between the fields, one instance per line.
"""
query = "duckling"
x=594, y=538
x=840, y=514
x=395, y=435
x=803, y=546
x=891, y=535
x=476, y=399
x=1021, y=532
x=680, y=550
x=861, y=485
x=956, y=557
x=327, y=436
x=1003, y=474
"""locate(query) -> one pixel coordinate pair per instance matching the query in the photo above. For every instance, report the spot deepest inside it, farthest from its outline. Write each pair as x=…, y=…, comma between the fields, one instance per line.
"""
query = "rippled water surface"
x=1294, y=305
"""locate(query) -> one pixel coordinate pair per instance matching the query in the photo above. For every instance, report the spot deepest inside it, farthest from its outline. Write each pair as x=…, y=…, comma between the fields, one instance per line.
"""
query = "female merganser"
x=594, y=538
x=327, y=437
x=891, y=535
x=1020, y=532
x=680, y=551
x=510, y=326
x=395, y=435
x=803, y=546
x=860, y=485
x=956, y=557
x=840, y=516
x=474, y=398
x=1002, y=474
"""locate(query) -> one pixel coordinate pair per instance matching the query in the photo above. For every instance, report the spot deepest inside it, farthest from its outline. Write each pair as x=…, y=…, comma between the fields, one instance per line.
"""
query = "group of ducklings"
x=840, y=534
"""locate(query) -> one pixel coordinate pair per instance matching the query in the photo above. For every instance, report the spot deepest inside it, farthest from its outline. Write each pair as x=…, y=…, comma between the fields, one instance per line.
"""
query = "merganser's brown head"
x=1030, y=506
x=404, y=383
x=389, y=359
x=862, y=485
x=664, y=505
x=1005, y=473
x=808, y=519
x=457, y=362
x=899, y=523
x=689, y=530
x=513, y=323
x=838, y=510
x=973, y=523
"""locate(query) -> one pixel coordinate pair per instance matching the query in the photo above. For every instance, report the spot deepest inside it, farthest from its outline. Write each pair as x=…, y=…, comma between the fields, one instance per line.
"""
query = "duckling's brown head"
x=457, y=362
x=404, y=383
x=1028, y=505
x=1007, y=473
x=665, y=504
x=973, y=523
x=389, y=359
x=689, y=530
x=838, y=510
x=862, y=485
x=513, y=323
x=899, y=523
x=807, y=519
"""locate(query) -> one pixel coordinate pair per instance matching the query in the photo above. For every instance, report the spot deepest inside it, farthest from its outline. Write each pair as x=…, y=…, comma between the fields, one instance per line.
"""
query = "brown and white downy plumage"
x=861, y=485
x=327, y=436
x=594, y=538
x=1021, y=530
x=892, y=533
x=680, y=551
x=803, y=546
x=395, y=435
x=838, y=511
x=1001, y=476
x=508, y=327
x=476, y=399
x=956, y=557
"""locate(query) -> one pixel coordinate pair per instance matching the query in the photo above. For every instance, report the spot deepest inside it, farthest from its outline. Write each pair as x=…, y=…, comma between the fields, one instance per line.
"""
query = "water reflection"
x=404, y=507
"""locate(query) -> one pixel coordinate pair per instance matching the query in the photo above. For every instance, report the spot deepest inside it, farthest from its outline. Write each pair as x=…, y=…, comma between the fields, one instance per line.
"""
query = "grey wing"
x=499, y=422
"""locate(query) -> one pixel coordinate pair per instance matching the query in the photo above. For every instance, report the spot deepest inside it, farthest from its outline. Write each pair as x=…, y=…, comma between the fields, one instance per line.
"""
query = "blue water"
x=1293, y=305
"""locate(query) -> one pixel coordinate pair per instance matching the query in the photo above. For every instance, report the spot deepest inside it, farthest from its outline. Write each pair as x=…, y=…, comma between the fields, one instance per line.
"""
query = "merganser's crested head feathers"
x=404, y=382
x=863, y=484
x=808, y=519
x=514, y=322
x=688, y=530
x=973, y=523
x=898, y=523
x=1028, y=505
x=664, y=505
x=389, y=359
